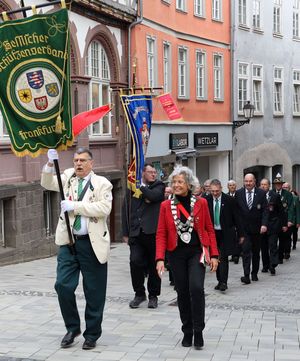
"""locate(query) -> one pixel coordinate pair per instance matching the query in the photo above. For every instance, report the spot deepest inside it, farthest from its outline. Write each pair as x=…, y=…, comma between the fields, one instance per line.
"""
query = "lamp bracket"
x=239, y=123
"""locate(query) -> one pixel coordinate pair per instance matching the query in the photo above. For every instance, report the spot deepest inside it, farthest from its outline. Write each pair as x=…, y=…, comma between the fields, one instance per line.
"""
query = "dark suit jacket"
x=277, y=214
x=255, y=217
x=142, y=213
x=230, y=223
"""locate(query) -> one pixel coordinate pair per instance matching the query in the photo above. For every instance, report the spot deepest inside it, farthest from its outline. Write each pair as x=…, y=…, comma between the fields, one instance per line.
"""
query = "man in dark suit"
x=224, y=216
x=139, y=223
x=252, y=207
x=277, y=222
x=231, y=186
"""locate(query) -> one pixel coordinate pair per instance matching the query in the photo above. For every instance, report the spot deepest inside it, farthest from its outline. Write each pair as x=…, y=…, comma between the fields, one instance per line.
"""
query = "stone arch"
x=9, y=5
x=109, y=43
x=74, y=50
x=266, y=154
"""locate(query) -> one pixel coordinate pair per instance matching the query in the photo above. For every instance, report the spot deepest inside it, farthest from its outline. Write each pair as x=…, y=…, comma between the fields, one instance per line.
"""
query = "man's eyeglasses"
x=81, y=160
x=151, y=171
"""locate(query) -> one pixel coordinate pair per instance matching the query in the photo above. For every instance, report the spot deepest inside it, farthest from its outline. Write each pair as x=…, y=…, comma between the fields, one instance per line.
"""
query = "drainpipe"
x=233, y=81
x=132, y=25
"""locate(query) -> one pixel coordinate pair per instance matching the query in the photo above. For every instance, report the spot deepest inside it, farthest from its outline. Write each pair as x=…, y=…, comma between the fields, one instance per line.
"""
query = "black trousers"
x=285, y=243
x=222, y=270
x=251, y=253
x=294, y=235
x=269, y=250
x=189, y=275
x=142, y=260
x=94, y=276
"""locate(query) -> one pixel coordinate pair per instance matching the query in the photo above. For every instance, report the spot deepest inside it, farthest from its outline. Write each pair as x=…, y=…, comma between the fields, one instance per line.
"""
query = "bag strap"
x=84, y=190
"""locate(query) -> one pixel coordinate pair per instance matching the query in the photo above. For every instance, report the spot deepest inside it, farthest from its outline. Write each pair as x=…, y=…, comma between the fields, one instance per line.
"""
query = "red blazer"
x=166, y=235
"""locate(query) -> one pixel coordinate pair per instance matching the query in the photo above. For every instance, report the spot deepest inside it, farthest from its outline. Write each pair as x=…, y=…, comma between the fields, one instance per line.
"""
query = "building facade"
x=266, y=72
x=99, y=63
x=184, y=47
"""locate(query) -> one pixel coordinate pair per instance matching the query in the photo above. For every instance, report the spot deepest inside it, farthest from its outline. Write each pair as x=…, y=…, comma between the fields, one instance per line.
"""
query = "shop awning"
x=185, y=151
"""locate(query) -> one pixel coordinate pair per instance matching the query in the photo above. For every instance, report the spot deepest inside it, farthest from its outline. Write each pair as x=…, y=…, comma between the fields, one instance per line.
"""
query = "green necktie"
x=217, y=213
x=77, y=222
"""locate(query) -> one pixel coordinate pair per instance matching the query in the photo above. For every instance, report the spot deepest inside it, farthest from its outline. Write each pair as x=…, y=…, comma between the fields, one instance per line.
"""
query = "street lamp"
x=248, y=110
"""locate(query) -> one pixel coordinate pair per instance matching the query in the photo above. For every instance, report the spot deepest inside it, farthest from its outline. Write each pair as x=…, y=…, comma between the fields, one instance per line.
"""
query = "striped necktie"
x=77, y=222
x=249, y=200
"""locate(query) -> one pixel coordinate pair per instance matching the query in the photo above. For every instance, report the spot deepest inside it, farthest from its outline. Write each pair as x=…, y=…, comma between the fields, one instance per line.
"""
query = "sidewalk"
x=256, y=322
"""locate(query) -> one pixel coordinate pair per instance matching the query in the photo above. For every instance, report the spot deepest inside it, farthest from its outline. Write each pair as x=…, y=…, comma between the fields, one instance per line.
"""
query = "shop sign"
x=205, y=140
x=178, y=140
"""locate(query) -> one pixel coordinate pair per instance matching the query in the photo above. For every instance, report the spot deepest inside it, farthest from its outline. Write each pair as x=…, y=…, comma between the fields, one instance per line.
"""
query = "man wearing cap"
x=287, y=202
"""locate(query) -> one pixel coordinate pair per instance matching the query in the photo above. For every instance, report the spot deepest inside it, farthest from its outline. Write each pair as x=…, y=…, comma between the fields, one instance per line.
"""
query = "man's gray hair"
x=216, y=182
x=231, y=181
x=187, y=173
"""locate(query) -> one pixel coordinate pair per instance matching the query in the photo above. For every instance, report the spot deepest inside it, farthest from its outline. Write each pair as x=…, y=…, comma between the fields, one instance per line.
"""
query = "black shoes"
x=198, y=340
x=265, y=270
x=254, y=277
x=187, y=340
x=135, y=303
x=88, y=345
x=221, y=286
x=246, y=280
x=68, y=339
x=272, y=271
x=152, y=302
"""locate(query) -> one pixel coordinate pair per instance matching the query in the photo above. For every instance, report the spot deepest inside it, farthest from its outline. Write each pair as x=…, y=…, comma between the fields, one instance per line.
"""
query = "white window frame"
x=201, y=75
x=183, y=90
x=3, y=131
x=181, y=5
x=296, y=19
x=278, y=94
x=151, y=61
x=257, y=15
x=2, y=222
x=217, y=10
x=97, y=67
x=243, y=12
x=199, y=8
x=277, y=17
x=257, y=88
x=244, y=79
x=167, y=66
x=218, y=77
x=296, y=92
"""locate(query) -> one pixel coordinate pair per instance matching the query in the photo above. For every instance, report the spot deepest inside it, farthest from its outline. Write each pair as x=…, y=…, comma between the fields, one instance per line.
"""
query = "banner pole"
x=62, y=195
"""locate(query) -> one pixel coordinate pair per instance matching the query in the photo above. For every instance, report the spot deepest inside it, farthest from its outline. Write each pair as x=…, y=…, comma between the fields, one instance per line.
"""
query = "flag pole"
x=62, y=195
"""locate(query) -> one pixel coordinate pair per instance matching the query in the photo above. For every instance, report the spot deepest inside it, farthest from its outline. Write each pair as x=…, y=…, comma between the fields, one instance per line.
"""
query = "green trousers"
x=94, y=275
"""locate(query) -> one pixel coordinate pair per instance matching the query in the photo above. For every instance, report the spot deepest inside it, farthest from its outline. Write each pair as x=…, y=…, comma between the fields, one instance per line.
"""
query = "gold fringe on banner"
x=4, y=15
x=63, y=4
x=58, y=125
x=33, y=8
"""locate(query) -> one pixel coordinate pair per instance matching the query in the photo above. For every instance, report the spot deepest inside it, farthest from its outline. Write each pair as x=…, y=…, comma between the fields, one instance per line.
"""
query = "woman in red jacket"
x=185, y=230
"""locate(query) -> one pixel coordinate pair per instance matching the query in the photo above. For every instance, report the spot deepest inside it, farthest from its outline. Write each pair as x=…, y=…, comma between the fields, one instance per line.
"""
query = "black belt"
x=79, y=237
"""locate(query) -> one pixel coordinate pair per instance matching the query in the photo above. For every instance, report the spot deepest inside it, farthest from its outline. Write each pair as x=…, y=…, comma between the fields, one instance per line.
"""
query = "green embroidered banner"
x=35, y=98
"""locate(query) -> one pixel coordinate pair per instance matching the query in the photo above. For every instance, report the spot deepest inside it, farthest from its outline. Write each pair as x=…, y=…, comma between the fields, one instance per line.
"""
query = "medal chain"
x=187, y=226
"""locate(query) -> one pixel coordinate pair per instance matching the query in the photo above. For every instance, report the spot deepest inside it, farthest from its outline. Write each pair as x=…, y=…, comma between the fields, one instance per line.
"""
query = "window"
x=278, y=91
x=296, y=11
x=256, y=23
x=3, y=130
x=257, y=82
x=199, y=7
x=182, y=72
x=218, y=76
x=48, y=212
x=296, y=92
x=277, y=17
x=243, y=86
x=217, y=9
x=180, y=5
x=167, y=66
x=201, y=75
x=151, y=61
x=2, y=230
x=243, y=12
x=97, y=68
